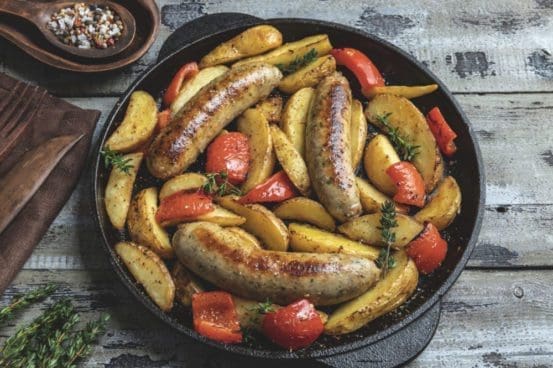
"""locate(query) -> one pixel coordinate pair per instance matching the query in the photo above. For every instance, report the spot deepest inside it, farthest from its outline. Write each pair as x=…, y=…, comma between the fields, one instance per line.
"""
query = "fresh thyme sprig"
x=406, y=150
x=115, y=159
x=21, y=301
x=218, y=184
x=264, y=307
x=298, y=63
x=387, y=222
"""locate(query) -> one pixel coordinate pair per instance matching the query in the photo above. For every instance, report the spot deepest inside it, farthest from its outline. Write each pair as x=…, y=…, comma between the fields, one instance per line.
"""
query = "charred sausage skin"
x=328, y=150
x=217, y=255
x=179, y=144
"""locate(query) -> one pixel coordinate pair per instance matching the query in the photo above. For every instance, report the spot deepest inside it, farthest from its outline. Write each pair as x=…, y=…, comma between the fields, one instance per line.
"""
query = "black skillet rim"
x=328, y=351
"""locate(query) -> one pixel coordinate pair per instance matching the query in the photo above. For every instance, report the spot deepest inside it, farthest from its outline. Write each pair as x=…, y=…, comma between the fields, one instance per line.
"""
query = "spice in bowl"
x=86, y=26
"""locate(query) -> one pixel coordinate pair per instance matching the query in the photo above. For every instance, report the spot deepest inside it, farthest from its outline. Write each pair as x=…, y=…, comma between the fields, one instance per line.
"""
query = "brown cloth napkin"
x=55, y=117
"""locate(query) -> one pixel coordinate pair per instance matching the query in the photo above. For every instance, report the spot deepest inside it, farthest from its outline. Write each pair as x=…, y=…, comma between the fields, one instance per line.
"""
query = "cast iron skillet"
x=398, y=68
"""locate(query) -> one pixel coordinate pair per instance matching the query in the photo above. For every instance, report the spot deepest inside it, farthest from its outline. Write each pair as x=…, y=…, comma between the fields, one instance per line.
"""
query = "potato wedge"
x=271, y=108
x=444, y=205
x=149, y=271
x=403, y=91
x=248, y=240
x=409, y=286
x=260, y=222
x=412, y=126
x=294, y=117
x=179, y=183
x=249, y=316
x=366, y=230
x=379, y=156
x=305, y=238
x=305, y=210
x=186, y=284
x=194, y=84
x=289, y=52
x=253, y=41
x=372, y=200
x=118, y=194
x=143, y=227
x=308, y=76
x=291, y=161
x=137, y=126
x=223, y=217
x=358, y=133
x=358, y=312
x=262, y=161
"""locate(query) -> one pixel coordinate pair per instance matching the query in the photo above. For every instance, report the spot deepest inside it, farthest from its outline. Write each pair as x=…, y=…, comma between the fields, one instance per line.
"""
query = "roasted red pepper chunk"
x=185, y=72
x=229, y=153
x=275, y=189
x=409, y=183
x=215, y=317
x=183, y=206
x=361, y=66
x=428, y=250
x=442, y=132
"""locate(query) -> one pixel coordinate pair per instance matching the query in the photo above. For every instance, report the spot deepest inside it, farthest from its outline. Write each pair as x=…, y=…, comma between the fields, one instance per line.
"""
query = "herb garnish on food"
x=406, y=150
x=115, y=159
x=264, y=307
x=223, y=188
x=387, y=222
x=298, y=63
x=51, y=339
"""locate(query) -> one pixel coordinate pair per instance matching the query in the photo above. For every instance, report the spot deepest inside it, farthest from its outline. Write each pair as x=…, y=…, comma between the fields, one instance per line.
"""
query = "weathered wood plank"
x=518, y=168
x=482, y=48
x=493, y=319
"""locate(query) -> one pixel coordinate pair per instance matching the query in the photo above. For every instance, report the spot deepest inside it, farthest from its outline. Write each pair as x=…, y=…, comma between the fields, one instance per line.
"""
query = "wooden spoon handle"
x=25, y=9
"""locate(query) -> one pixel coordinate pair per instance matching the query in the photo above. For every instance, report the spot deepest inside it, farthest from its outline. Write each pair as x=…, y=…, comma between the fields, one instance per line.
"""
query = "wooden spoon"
x=39, y=14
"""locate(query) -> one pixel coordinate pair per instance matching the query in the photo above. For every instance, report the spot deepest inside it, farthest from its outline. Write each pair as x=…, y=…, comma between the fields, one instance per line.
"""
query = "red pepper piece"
x=428, y=250
x=215, y=317
x=183, y=206
x=188, y=70
x=409, y=183
x=361, y=66
x=163, y=119
x=442, y=132
x=229, y=153
x=275, y=189
x=295, y=326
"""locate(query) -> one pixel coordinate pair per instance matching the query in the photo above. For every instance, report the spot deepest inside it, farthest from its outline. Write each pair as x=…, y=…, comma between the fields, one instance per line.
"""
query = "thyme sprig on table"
x=115, y=159
x=51, y=339
x=407, y=151
x=218, y=184
x=298, y=63
x=387, y=222
x=21, y=301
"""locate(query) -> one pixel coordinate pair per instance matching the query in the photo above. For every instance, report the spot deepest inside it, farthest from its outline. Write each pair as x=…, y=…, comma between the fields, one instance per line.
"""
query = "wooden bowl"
x=30, y=40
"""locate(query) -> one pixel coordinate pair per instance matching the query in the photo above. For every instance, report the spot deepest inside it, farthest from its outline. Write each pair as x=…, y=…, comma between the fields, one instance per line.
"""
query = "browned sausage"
x=178, y=145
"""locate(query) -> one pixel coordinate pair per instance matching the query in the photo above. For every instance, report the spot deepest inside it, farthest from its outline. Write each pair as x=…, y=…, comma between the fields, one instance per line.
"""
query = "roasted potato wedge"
x=292, y=51
x=294, y=117
x=358, y=133
x=271, y=108
x=260, y=222
x=409, y=286
x=291, y=160
x=142, y=224
x=250, y=312
x=379, y=156
x=308, y=76
x=412, y=126
x=372, y=200
x=179, y=183
x=186, y=284
x=366, y=229
x=403, y=91
x=248, y=239
x=137, y=126
x=444, y=205
x=392, y=288
x=253, y=41
x=118, y=192
x=219, y=216
x=305, y=210
x=262, y=161
x=305, y=238
x=149, y=271
x=194, y=84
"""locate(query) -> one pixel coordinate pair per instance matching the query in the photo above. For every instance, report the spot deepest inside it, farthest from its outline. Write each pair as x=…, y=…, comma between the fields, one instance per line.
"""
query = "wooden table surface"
x=497, y=59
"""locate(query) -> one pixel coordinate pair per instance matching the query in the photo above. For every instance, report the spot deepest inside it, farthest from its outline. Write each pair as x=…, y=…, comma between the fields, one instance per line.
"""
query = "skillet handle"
x=202, y=27
x=395, y=350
